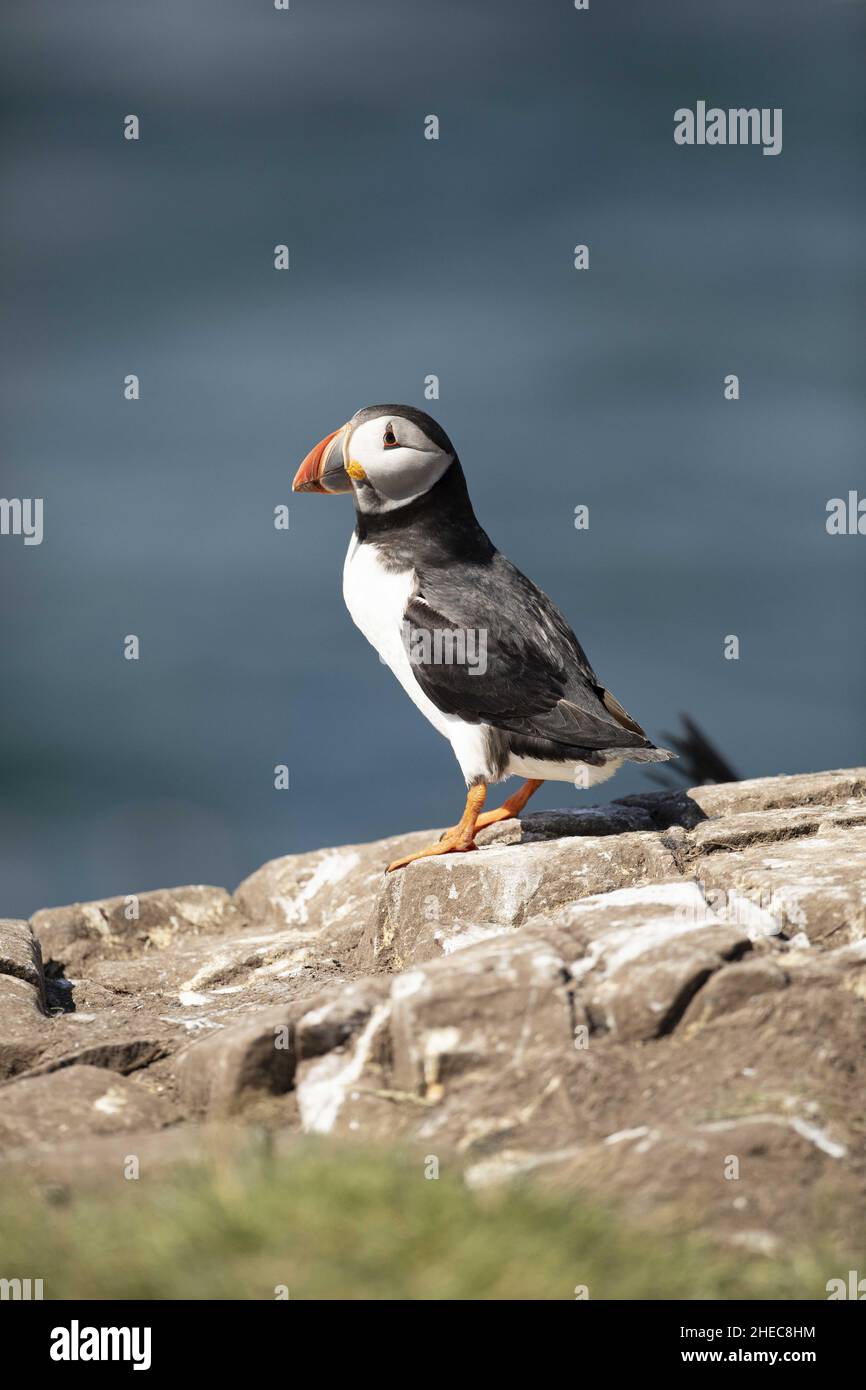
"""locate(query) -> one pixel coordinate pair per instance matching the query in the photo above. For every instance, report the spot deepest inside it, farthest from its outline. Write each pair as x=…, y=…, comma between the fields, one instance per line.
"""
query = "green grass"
x=351, y=1224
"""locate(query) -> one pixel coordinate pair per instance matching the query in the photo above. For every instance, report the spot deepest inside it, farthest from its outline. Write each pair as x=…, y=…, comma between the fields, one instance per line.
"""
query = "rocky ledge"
x=660, y=1000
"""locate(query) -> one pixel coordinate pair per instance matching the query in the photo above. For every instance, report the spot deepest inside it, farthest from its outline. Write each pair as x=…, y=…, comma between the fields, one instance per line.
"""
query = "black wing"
x=520, y=667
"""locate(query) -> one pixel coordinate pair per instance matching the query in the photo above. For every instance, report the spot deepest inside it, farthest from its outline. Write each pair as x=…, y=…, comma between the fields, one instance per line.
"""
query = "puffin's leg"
x=510, y=808
x=455, y=841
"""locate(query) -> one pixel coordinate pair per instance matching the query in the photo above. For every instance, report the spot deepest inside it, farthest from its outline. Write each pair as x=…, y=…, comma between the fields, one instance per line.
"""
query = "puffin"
x=485, y=655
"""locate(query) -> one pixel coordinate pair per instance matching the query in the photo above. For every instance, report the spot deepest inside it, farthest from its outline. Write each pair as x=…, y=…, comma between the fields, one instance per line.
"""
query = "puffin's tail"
x=640, y=755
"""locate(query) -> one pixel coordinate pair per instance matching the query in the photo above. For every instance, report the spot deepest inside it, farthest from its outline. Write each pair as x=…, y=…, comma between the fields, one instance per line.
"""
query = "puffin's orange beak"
x=322, y=470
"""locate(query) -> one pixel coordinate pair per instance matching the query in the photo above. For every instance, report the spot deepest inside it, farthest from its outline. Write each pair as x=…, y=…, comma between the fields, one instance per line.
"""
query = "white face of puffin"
x=387, y=455
x=394, y=457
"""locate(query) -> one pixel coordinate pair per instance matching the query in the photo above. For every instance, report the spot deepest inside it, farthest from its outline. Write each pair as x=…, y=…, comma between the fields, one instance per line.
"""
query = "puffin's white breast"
x=376, y=598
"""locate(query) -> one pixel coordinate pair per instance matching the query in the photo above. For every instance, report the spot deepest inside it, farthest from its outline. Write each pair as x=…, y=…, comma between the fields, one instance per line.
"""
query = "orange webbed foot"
x=459, y=840
x=447, y=845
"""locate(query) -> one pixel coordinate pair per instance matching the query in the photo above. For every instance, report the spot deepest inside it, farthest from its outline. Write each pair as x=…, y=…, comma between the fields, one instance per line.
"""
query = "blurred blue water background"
x=409, y=257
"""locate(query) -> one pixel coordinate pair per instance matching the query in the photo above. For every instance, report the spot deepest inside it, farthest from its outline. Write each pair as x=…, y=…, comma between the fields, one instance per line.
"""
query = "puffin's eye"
x=389, y=438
